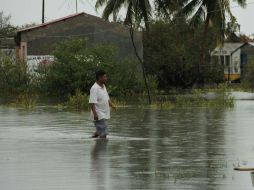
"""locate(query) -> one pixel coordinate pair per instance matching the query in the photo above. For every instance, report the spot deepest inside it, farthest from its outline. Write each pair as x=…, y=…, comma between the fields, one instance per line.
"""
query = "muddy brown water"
x=194, y=149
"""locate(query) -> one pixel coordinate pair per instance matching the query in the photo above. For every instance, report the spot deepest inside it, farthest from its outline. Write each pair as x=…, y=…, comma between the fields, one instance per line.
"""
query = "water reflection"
x=147, y=149
x=99, y=166
x=183, y=147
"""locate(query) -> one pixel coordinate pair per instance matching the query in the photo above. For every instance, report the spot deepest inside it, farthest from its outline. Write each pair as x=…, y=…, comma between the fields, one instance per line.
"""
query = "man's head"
x=101, y=76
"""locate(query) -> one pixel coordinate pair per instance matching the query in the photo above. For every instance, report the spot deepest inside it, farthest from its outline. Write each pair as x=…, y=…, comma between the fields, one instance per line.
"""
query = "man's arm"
x=94, y=112
x=112, y=105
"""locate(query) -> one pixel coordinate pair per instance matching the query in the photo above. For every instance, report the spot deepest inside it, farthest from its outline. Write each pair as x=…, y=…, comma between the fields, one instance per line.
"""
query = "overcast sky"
x=28, y=11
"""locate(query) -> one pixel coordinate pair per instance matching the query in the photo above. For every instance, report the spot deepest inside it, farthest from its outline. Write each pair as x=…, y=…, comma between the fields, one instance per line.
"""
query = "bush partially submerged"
x=14, y=78
x=212, y=98
x=25, y=101
x=248, y=75
x=76, y=63
x=79, y=101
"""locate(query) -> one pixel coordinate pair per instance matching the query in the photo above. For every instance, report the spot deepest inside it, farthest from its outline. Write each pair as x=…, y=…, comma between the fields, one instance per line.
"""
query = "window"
x=227, y=60
x=244, y=59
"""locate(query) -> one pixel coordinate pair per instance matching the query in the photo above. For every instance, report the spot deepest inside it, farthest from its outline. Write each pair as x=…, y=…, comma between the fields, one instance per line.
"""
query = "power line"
x=76, y=6
x=104, y=31
x=43, y=11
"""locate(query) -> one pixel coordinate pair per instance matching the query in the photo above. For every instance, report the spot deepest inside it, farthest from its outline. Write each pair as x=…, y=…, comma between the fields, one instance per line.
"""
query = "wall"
x=235, y=64
x=41, y=41
x=249, y=50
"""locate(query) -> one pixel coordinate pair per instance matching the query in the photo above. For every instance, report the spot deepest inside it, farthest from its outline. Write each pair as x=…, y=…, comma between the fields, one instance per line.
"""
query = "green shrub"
x=79, y=101
x=213, y=73
x=172, y=53
x=163, y=105
x=75, y=68
x=24, y=101
x=119, y=102
x=14, y=78
x=248, y=75
x=197, y=98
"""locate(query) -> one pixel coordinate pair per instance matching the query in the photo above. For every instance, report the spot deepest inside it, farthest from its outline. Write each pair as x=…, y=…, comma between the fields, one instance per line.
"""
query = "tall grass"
x=25, y=101
x=220, y=97
x=78, y=101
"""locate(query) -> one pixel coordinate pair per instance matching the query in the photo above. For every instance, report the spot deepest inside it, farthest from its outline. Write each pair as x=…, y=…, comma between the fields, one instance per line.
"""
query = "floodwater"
x=194, y=149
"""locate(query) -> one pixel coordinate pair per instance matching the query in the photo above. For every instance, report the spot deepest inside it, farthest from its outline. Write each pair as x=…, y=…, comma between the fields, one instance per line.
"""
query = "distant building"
x=234, y=57
x=35, y=44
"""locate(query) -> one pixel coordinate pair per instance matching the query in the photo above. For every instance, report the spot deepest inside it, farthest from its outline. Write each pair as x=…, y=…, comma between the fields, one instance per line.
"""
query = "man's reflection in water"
x=99, y=163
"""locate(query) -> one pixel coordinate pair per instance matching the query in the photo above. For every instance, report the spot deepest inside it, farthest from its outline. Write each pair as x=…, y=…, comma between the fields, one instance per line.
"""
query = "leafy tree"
x=6, y=29
x=248, y=75
x=171, y=53
x=137, y=11
x=211, y=13
x=13, y=77
x=167, y=9
x=76, y=64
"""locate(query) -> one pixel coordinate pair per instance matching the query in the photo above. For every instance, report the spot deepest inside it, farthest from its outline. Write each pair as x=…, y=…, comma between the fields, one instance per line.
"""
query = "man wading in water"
x=100, y=103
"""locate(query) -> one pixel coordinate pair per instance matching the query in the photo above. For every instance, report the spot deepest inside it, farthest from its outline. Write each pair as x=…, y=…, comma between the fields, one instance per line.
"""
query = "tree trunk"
x=202, y=54
x=142, y=65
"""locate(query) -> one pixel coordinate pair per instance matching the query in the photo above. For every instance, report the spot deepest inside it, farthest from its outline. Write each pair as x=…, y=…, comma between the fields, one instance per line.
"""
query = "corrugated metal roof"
x=51, y=22
x=229, y=47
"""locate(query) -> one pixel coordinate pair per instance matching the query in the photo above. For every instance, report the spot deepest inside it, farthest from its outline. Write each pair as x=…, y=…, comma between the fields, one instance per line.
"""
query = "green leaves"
x=14, y=78
x=172, y=53
x=6, y=29
x=75, y=68
x=137, y=10
x=248, y=75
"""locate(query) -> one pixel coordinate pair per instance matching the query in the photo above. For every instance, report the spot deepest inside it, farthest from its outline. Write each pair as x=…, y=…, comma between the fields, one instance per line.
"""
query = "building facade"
x=36, y=44
x=234, y=57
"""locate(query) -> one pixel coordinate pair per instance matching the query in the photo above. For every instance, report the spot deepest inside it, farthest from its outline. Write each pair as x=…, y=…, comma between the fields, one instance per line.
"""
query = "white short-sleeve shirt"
x=99, y=96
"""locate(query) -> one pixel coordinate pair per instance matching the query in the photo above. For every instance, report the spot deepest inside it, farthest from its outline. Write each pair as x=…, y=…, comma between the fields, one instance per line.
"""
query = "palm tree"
x=212, y=13
x=167, y=8
x=138, y=11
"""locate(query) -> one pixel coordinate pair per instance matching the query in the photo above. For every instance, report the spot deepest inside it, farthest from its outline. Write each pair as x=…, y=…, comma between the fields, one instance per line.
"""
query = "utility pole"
x=43, y=10
x=76, y=6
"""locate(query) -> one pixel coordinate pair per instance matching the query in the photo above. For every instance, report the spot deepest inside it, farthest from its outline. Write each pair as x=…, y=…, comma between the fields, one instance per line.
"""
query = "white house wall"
x=33, y=61
x=236, y=62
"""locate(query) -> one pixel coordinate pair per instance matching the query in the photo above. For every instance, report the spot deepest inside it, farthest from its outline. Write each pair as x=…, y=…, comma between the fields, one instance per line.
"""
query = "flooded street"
x=194, y=149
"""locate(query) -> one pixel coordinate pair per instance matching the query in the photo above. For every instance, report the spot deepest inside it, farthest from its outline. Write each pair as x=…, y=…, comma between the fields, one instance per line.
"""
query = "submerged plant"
x=24, y=101
x=219, y=97
x=79, y=101
x=119, y=102
x=163, y=105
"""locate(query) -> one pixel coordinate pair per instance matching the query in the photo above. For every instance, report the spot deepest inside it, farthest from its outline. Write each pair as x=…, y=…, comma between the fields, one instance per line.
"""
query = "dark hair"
x=99, y=73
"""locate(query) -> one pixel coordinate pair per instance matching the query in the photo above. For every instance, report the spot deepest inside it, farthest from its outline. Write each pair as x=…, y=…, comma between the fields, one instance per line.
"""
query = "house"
x=234, y=57
x=36, y=44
